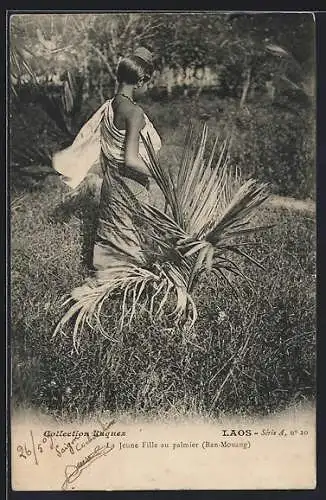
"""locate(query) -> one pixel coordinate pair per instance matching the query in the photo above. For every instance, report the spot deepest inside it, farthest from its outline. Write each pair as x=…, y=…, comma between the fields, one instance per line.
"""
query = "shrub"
x=274, y=142
x=277, y=146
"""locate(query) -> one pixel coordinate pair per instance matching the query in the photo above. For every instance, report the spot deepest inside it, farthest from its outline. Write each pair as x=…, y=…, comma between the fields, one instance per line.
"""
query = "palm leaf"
x=164, y=180
x=208, y=208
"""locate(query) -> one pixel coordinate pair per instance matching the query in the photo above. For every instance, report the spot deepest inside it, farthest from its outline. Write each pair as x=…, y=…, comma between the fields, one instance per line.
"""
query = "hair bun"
x=144, y=54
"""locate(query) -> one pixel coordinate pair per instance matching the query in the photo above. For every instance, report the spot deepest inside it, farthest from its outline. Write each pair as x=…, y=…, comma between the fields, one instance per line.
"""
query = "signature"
x=73, y=472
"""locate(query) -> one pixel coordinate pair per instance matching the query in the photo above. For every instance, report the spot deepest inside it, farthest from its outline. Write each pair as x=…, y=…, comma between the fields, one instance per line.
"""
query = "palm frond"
x=164, y=180
x=72, y=93
x=209, y=207
x=129, y=284
x=19, y=64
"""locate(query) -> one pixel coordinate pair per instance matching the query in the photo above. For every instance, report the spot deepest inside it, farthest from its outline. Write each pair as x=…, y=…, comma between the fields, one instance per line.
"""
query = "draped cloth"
x=99, y=141
x=74, y=162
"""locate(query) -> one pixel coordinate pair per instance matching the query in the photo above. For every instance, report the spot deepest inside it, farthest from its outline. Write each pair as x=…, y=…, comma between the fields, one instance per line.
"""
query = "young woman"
x=115, y=135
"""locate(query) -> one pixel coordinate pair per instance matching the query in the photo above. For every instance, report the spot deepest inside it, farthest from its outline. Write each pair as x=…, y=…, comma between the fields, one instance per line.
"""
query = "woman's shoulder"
x=135, y=115
x=127, y=107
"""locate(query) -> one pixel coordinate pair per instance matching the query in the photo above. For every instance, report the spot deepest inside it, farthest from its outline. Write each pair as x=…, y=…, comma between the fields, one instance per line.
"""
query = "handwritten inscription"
x=73, y=472
x=33, y=448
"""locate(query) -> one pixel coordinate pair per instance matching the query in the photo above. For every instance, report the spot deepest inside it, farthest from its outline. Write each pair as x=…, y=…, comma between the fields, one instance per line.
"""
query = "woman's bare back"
x=123, y=111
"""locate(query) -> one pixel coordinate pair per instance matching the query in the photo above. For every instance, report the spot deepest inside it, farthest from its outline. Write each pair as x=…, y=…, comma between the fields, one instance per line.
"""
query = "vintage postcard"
x=162, y=215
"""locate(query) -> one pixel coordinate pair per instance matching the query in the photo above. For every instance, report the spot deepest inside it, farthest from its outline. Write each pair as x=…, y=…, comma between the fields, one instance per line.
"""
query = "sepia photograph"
x=163, y=250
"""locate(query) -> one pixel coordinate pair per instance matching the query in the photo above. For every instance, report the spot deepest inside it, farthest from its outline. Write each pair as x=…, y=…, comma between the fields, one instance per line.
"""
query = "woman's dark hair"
x=133, y=69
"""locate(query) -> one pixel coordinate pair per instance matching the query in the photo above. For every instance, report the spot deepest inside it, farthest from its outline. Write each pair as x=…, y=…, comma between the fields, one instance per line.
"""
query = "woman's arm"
x=133, y=162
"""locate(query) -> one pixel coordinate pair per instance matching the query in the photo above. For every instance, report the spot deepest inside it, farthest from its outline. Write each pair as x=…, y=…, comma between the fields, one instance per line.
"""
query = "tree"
x=263, y=51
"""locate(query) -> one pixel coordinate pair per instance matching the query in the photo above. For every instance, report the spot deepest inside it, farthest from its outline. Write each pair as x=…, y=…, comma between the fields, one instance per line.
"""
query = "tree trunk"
x=101, y=86
x=245, y=87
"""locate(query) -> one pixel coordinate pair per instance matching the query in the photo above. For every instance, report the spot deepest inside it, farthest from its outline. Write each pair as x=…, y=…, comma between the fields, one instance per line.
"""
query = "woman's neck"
x=126, y=89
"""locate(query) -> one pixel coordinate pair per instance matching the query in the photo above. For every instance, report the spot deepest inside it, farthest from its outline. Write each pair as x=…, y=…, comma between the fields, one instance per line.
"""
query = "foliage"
x=272, y=141
x=190, y=40
x=44, y=117
x=93, y=43
x=51, y=43
x=255, y=55
x=89, y=44
x=275, y=144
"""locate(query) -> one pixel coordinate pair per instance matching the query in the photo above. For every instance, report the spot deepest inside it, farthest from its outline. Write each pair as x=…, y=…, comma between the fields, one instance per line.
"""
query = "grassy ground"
x=251, y=355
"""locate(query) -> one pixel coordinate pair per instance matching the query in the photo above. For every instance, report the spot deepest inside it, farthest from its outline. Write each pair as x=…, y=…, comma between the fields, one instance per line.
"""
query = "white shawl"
x=76, y=161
